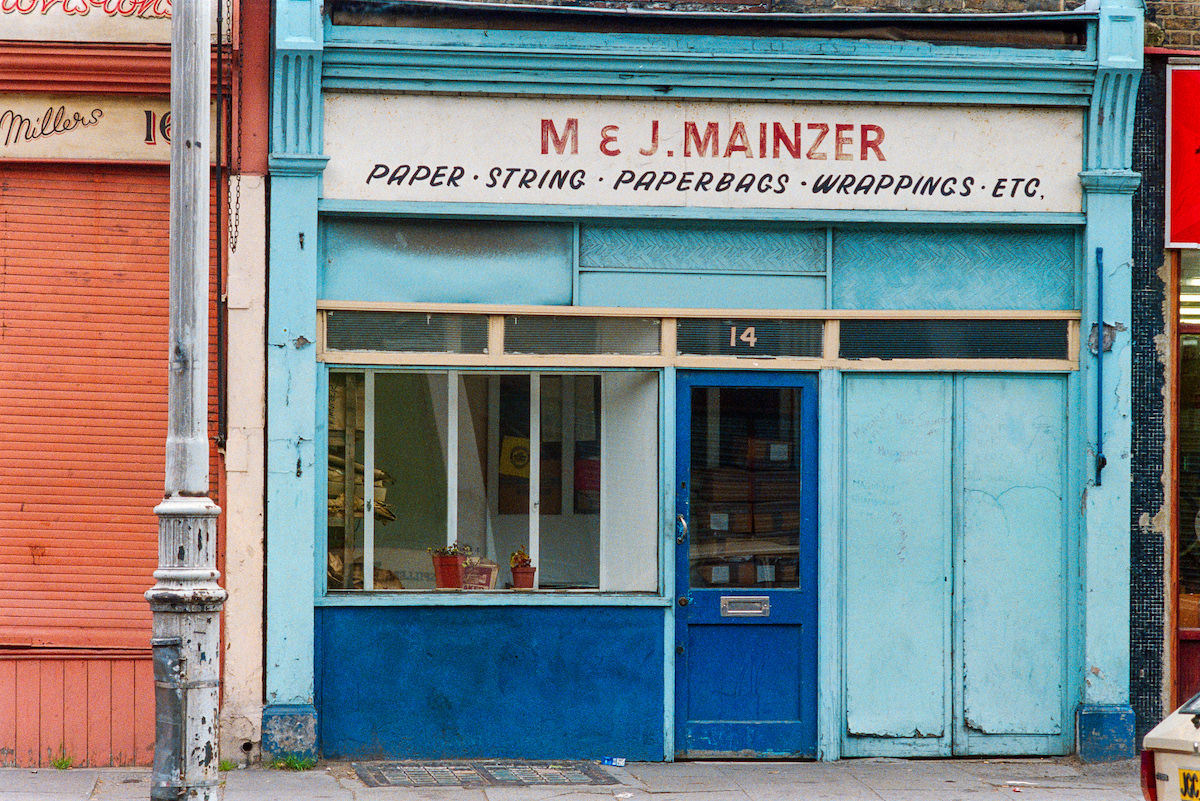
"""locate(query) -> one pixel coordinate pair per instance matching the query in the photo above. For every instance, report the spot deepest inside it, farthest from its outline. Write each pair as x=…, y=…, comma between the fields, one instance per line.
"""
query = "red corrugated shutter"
x=83, y=333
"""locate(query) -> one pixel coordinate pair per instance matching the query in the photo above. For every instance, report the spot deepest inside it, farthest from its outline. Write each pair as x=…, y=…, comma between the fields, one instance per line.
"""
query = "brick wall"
x=1173, y=23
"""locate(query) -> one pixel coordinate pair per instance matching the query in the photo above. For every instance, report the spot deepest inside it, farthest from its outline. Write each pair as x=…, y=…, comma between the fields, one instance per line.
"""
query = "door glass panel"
x=744, y=502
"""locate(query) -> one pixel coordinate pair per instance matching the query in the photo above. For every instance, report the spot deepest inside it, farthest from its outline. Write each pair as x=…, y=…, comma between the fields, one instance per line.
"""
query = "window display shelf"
x=491, y=598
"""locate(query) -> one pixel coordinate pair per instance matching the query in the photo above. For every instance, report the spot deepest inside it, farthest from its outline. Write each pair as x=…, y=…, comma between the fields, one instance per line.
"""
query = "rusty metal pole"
x=186, y=600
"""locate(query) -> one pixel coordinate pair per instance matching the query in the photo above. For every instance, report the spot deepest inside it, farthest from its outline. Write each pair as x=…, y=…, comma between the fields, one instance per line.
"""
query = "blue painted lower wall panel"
x=513, y=682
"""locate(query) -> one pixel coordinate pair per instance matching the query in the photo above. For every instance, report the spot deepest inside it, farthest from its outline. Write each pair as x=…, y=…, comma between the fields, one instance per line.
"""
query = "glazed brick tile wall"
x=1146, y=611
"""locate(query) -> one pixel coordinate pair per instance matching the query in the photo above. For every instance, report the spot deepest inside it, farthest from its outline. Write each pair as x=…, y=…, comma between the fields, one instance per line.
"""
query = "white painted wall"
x=242, y=696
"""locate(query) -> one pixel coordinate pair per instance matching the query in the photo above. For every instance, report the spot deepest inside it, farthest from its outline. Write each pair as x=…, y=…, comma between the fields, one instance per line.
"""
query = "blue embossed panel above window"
x=446, y=261
x=728, y=248
x=904, y=269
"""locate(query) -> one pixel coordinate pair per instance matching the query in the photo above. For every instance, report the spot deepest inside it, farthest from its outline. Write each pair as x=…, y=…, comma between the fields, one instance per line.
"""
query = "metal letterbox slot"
x=745, y=606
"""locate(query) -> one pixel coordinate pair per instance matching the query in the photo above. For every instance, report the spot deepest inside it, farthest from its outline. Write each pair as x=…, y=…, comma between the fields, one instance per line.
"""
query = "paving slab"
x=259, y=784
x=1057, y=779
x=121, y=785
x=19, y=784
x=682, y=777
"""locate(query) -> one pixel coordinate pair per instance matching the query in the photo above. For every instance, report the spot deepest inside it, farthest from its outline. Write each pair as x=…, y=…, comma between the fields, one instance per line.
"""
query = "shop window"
x=562, y=466
x=1188, y=540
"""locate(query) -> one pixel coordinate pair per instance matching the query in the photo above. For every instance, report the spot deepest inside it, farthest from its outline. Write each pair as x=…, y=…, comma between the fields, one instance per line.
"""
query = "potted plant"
x=522, y=569
x=448, y=564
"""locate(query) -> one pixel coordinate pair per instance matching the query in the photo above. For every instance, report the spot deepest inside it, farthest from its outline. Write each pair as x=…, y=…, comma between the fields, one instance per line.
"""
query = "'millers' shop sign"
x=85, y=128
x=684, y=153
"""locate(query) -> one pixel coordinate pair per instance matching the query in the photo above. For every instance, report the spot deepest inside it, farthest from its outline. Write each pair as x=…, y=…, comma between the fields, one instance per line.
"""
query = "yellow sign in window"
x=1189, y=784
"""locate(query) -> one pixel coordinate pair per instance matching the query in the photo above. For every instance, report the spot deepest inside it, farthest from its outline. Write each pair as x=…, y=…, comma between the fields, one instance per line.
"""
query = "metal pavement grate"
x=480, y=773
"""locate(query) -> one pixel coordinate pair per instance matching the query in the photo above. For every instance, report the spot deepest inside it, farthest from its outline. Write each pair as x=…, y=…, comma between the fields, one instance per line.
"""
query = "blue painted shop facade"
x=770, y=347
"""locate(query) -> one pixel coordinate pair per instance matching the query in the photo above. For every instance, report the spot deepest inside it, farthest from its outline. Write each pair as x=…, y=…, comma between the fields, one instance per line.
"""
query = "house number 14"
x=747, y=335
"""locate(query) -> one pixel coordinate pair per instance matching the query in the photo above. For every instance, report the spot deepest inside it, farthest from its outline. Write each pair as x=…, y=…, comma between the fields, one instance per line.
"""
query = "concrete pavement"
x=1058, y=779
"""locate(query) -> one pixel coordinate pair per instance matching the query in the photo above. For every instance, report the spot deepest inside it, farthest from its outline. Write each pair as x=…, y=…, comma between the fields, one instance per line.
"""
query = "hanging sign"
x=85, y=128
x=705, y=154
x=1183, y=156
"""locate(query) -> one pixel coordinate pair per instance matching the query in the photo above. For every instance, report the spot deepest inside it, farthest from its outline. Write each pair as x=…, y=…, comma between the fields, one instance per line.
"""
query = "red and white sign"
x=578, y=151
x=1183, y=156
x=130, y=21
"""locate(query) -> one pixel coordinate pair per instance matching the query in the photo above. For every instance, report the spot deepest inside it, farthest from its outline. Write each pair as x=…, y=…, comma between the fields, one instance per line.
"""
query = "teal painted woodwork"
x=291, y=481
x=892, y=268
x=633, y=64
x=726, y=249
x=1014, y=584
x=1102, y=76
x=681, y=290
x=956, y=544
x=433, y=261
x=527, y=211
x=896, y=560
x=1106, y=507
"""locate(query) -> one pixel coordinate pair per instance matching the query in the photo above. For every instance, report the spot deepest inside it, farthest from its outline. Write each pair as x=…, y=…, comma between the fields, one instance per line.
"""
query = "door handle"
x=681, y=529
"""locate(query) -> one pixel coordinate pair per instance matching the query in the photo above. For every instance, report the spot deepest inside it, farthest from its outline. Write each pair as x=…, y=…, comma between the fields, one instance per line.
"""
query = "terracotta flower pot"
x=447, y=571
x=523, y=578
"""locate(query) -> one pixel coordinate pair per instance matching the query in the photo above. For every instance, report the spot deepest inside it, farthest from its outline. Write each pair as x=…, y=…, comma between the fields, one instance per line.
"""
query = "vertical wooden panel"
x=99, y=717
x=28, y=712
x=123, y=712
x=1013, y=530
x=75, y=711
x=51, y=702
x=8, y=713
x=143, y=711
x=897, y=531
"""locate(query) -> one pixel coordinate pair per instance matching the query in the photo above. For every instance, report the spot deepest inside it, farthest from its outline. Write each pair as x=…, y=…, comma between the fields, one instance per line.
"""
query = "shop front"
x=769, y=349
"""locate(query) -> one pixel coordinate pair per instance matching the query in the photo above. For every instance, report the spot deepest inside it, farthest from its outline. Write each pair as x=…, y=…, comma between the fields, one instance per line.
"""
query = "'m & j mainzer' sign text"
x=688, y=153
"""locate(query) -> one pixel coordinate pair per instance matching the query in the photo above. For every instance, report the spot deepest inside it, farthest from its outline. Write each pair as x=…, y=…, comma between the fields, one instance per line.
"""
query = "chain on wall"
x=235, y=174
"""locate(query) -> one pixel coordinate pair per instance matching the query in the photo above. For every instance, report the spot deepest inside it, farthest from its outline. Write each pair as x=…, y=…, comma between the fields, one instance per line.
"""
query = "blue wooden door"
x=746, y=565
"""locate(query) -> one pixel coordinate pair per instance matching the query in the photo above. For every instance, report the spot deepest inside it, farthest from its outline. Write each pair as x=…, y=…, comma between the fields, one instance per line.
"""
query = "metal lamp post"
x=186, y=600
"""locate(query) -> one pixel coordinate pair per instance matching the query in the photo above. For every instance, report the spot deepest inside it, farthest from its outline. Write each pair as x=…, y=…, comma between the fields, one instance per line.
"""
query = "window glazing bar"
x=368, y=484
x=535, y=473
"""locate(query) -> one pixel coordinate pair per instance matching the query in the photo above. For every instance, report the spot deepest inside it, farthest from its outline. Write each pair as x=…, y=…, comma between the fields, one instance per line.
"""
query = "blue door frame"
x=747, y=687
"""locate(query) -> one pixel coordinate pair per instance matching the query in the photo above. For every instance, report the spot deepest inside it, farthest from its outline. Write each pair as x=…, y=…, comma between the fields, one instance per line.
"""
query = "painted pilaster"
x=289, y=717
x=829, y=565
x=1105, y=722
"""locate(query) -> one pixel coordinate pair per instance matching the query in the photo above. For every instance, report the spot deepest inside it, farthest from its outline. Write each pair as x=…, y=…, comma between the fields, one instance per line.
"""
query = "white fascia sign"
x=666, y=153
x=45, y=127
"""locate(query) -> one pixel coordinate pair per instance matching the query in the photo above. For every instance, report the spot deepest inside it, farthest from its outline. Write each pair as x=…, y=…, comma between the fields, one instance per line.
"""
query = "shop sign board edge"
x=702, y=154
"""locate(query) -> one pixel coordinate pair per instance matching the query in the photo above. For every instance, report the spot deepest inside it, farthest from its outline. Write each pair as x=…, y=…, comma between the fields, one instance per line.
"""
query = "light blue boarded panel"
x=948, y=269
x=725, y=249
x=897, y=525
x=446, y=261
x=1013, y=540
x=678, y=290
